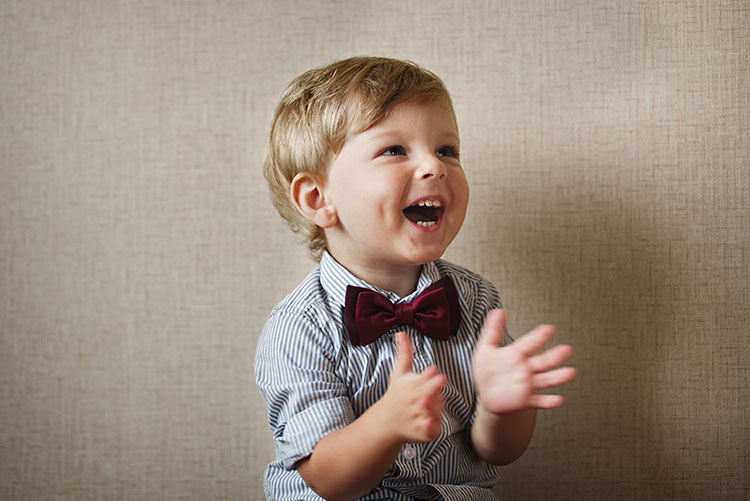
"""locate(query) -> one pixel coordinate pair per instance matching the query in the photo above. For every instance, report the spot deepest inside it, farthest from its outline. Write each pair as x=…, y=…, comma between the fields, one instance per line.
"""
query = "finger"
x=544, y=401
x=431, y=381
x=550, y=358
x=404, y=354
x=493, y=329
x=436, y=405
x=556, y=377
x=435, y=383
x=430, y=428
x=534, y=339
x=432, y=405
x=429, y=372
x=432, y=420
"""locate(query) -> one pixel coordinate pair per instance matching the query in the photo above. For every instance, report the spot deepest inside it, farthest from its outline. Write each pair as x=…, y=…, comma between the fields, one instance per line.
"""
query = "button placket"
x=420, y=358
x=410, y=462
x=409, y=452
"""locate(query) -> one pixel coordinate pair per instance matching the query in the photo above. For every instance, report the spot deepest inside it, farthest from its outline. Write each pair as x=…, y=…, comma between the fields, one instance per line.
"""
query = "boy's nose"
x=431, y=167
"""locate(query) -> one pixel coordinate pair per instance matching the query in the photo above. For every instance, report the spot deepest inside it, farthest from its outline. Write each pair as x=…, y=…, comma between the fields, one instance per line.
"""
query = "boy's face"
x=398, y=190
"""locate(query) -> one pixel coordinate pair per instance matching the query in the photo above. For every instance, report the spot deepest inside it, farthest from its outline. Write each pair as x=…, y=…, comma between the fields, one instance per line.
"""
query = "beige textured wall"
x=608, y=146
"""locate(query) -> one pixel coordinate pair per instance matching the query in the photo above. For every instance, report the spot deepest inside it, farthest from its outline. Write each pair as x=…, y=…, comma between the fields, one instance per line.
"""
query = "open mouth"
x=425, y=213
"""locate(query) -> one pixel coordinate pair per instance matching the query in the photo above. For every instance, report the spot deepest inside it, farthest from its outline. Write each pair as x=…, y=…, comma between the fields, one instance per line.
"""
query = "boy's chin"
x=427, y=255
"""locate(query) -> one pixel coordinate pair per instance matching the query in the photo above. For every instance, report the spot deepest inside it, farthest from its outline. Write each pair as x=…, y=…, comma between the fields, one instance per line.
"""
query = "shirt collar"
x=335, y=278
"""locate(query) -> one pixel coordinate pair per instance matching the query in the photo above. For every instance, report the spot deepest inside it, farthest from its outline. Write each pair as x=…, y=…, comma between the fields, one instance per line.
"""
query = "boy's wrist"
x=481, y=409
x=378, y=421
x=497, y=417
x=502, y=438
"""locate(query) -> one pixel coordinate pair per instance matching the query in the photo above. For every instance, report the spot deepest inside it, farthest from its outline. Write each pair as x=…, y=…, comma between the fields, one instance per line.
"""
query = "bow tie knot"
x=404, y=313
x=435, y=313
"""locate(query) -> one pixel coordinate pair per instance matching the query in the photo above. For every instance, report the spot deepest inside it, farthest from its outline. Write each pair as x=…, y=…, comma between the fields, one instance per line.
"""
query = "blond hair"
x=321, y=108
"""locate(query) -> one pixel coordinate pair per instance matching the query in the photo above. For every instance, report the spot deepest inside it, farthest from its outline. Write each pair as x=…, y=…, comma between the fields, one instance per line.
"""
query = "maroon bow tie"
x=435, y=312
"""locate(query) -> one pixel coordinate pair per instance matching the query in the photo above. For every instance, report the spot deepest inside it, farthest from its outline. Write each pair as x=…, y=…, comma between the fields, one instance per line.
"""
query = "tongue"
x=416, y=213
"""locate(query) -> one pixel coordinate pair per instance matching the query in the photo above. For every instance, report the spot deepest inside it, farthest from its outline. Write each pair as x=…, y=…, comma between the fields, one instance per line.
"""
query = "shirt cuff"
x=305, y=429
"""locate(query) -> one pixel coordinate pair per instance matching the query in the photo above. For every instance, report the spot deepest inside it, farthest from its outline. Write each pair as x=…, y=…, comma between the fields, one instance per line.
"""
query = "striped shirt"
x=314, y=381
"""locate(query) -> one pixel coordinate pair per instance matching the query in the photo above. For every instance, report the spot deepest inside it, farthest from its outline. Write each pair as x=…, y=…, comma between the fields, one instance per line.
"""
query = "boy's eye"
x=446, y=151
x=393, y=151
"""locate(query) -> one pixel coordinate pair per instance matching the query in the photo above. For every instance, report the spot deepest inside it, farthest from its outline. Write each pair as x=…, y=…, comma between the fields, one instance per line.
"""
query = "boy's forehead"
x=361, y=124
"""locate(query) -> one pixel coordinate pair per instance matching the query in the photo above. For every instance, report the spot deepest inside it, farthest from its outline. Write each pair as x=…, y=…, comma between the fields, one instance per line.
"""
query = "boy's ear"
x=307, y=194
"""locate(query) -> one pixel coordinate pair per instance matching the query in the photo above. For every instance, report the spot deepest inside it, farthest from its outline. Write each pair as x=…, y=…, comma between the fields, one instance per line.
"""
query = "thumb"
x=404, y=354
x=493, y=329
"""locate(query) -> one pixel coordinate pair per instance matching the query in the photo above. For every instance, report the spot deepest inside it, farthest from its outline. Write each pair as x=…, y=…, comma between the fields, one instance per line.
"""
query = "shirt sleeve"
x=494, y=302
x=483, y=297
x=295, y=364
x=487, y=299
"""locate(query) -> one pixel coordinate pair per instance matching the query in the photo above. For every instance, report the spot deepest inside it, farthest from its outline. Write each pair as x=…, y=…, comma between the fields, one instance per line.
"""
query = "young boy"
x=387, y=373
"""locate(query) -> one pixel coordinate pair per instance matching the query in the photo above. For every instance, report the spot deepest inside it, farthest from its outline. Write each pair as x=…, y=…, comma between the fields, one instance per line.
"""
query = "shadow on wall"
x=589, y=256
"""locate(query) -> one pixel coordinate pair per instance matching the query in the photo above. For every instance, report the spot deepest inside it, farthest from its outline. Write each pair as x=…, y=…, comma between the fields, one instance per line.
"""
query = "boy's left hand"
x=507, y=378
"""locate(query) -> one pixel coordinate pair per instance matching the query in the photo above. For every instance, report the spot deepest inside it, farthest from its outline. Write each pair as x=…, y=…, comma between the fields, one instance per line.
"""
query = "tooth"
x=428, y=203
x=437, y=203
x=426, y=224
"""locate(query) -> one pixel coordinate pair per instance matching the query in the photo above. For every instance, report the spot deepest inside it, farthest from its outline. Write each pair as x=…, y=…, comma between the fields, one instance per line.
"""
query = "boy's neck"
x=401, y=281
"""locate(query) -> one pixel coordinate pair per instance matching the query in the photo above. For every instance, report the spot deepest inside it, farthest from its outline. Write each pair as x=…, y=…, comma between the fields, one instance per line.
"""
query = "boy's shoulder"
x=306, y=296
x=304, y=315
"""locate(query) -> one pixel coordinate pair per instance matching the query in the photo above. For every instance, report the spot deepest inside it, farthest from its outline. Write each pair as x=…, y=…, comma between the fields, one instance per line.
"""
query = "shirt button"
x=410, y=452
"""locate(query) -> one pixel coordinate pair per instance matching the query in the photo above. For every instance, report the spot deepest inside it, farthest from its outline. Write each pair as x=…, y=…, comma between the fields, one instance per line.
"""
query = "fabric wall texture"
x=607, y=144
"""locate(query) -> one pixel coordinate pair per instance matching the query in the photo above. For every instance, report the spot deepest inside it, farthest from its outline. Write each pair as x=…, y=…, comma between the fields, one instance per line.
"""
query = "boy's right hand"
x=412, y=407
x=409, y=411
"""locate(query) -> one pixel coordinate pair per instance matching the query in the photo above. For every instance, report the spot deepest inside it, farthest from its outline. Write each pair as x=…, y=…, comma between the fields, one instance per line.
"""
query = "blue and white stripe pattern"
x=314, y=381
